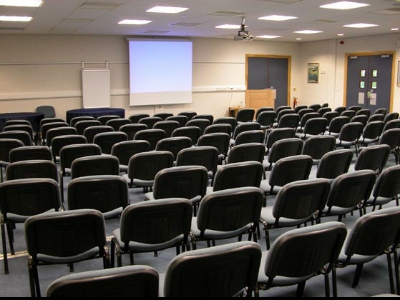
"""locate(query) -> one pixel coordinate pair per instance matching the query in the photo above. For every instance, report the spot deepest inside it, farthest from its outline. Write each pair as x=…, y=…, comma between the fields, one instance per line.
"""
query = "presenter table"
x=94, y=112
x=33, y=118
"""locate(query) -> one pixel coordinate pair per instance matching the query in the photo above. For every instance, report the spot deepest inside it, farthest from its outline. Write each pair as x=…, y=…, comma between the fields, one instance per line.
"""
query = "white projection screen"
x=161, y=71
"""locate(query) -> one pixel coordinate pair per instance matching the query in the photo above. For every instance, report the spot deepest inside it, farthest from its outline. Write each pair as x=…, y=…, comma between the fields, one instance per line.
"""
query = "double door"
x=370, y=81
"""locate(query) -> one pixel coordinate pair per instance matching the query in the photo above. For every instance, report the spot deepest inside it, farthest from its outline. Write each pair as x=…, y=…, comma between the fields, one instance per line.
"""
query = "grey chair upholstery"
x=188, y=114
x=263, y=109
x=282, y=149
x=318, y=146
x=131, y=281
x=382, y=111
x=91, y=132
x=278, y=134
x=55, y=132
x=163, y=116
x=107, y=194
x=197, y=273
x=6, y=146
x=168, y=227
x=348, y=113
x=192, y=132
x=386, y=189
x=298, y=108
x=50, y=120
x=302, y=112
x=228, y=214
x=45, y=127
x=297, y=203
x=61, y=141
x=82, y=125
x=376, y=117
x=372, y=132
x=132, y=129
x=47, y=110
x=355, y=108
x=143, y=168
x=219, y=128
x=334, y=164
x=244, y=127
x=125, y=150
x=153, y=136
x=373, y=158
x=301, y=254
x=104, y=119
x=20, y=135
x=187, y=182
x=284, y=112
x=18, y=122
x=329, y=116
x=107, y=140
x=313, y=127
x=227, y=120
x=323, y=110
x=252, y=136
x=205, y=116
x=21, y=199
x=75, y=120
x=21, y=127
x=182, y=120
x=150, y=121
x=174, y=145
x=30, y=153
x=373, y=235
x=289, y=121
x=340, y=109
x=221, y=141
x=200, y=123
x=247, y=152
x=135, y=118
x=391, y=138
x=167, y=126
x=363, y=119
x=245, y=115
x=349, y=136
x=32, y=169
x=283, y=107
x=315, y=107
x=80, y=232
x=349, y=192
x=266, y=119
x=95, y=165
x=116, y=124
x=305, y=118
x=364, y=112
x=336, y=126
x=391, y=116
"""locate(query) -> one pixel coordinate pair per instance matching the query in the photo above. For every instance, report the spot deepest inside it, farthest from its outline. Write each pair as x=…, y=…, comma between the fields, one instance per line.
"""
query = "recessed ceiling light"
x=228, y=26
x=308, y=32
x=340, y=34
x=344, y=5
x=395, y=29
x=361, y=25
x=15, y=19
x=277, y=18
x=167, y=9
x=134, y=22
x=21, y=3
x=298, y=39
x=269, y=36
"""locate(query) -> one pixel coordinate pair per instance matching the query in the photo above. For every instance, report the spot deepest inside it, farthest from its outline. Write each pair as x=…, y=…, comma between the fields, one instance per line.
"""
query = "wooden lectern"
x=257, y=99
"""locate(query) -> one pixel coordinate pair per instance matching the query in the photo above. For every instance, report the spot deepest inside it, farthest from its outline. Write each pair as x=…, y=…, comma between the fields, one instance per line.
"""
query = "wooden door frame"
x=288, y=57
x=346, y=69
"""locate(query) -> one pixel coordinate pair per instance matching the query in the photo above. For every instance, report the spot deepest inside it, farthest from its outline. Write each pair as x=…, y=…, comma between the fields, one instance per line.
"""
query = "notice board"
x=96, y=88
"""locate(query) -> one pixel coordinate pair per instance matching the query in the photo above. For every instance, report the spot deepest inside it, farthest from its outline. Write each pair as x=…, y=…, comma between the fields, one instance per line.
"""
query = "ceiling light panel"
x=21, y=3
x=344, y=5
x=361, y=25
x=15, y=19
x=134, y=22
x=268, y=36
x=308, y=32
x=277, y=18
x=167, y=10
x=228, y=26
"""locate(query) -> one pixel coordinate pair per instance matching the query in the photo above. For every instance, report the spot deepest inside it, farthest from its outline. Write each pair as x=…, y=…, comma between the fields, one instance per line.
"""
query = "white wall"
x=40, y=70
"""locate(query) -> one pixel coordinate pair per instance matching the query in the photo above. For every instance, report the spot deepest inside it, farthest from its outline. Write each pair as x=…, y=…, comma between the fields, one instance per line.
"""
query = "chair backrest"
x=26, y=128
x=348, y=113
x=329, y=116
x=163, y=116
x=280, y=108
x=182, y=120
x=104, y=119
x=107, y=194
x=376, y=117
x=150, y=121
x=153, y=136
x=373, y=158
x=373, y=130
x=20, y=135
x=374, y=233
x=304, y=111
x=318, y=146
x=298, y=108
x=305, y=252
x=137, y=117
x=284, y=112
x=351, y=132
x=335, y=163
x=290, y=169
x=51, y=125
x=227, y=120
x=51, y=120
x=145, y=166
x=29, y=197
x=32, y=169
x=245, y=115
x=132, y=129
x=131, y=281
x=188, y=274
x=116, y=124
x=94, y=165
x=185, y=182
x=47, y=110
x=170, y=218
x=61, y=141
x=363, y=119
x=6, y=145
x=391, y=116
x=252, y=136
x=352, y=189
x=217, y=140
x=391, y=138
x=81, y=118
x=92, y=131
x=192, y=132
x=245, y=174
x=107, y=140
x=243, y=127
x=201, y=123
x=266, y=118
x=30, y=153
x=315, y=126
x=289, y=121
x=337, y=124
x=167, y=126
x=125, y=150
x=388, y=183
x=393, y=124
x=278, y=134
x=205, y=156
x=315, y=107
x=247, y=152
x=241, y=206
x=323, y=110
x=263, y=109
x=308, y=116
x=355, y=108
x=174, y=145
x=17, y=122
x=188, y=114
x=219, y=128
x=55, y=132
x=285, y=148
x=82, y=125
x=205, y=116
x=381, y=111
x=71, y=152
x=340, y=109
x=301, y=200
x=364, y=112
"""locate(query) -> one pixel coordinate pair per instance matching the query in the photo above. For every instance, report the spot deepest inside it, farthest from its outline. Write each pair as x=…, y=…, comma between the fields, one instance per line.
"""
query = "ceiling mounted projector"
x=243, y=35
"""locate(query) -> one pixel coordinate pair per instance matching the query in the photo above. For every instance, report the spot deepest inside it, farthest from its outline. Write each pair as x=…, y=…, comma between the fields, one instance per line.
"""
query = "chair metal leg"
x=327, y=287
x=300, y=290
x=334, y=283
x=390, y=270
x=31, y=277
x=357, y=275
x=4, y=242
x=396, y=271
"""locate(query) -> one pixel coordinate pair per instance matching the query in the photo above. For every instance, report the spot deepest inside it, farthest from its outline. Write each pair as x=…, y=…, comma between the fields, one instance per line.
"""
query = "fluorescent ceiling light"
x=134, y=22
x=277, y=18
x=344, y=5
x=21, y=3
x=361, y=25
x=395, y=29
x=167, y=9
x=308, y=32
x=227, y=26
x=15, y=19
x=269, y=36
x=340, y=34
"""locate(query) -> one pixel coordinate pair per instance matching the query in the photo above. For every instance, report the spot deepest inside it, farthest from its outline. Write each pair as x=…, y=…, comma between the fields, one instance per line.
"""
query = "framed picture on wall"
x=313, y=72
